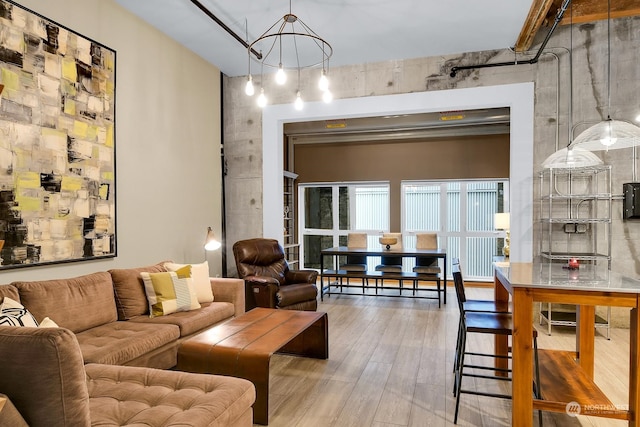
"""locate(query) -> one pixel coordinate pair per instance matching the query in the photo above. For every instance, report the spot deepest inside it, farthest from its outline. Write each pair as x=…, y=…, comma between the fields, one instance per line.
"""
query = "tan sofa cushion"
x=42, y=373
x=117, y=343
x=190, y=322
x=78, y=304
x=9, y=291
x=128, y=287
x=151, y=397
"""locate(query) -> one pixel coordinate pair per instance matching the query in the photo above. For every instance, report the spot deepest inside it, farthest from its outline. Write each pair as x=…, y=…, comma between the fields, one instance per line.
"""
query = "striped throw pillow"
x=170, y=292
x=12, y=313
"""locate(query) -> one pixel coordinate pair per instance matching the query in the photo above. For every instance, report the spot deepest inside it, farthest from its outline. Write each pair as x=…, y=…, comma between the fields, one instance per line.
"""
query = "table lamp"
x=501, y=221
x=211, y=243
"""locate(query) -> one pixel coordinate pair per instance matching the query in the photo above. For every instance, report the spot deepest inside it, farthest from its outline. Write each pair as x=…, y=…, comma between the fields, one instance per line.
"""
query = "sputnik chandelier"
x=290, y=46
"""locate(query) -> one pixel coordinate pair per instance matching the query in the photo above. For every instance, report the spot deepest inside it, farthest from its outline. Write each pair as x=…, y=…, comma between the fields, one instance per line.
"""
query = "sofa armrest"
x=9, y=415
x=63, y=397
x=262, y=291
x=229, y=290
x=301, y=276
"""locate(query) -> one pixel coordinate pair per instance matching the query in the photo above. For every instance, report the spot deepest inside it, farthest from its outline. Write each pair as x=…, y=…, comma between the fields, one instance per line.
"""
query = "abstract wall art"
x=57, y=142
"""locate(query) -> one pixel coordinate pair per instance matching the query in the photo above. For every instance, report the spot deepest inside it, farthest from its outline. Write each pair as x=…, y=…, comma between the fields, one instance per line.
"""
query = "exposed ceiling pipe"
x=224, y=26
x=561, y=11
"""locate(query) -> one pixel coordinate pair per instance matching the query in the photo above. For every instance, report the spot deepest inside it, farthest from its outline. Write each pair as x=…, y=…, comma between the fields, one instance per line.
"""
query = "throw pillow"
x=12, y=313
x=170, y=292
x=48, y=323
x=200, y=276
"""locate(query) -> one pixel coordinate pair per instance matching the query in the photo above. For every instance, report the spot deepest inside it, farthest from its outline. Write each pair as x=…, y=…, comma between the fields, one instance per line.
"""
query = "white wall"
x=519, y=97
x=168, y=185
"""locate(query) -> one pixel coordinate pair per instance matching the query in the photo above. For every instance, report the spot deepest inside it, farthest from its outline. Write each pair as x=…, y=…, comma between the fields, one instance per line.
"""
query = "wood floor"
x=390, y=363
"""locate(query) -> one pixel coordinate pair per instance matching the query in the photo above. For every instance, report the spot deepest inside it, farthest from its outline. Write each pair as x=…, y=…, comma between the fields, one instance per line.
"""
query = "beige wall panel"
x=168, y=184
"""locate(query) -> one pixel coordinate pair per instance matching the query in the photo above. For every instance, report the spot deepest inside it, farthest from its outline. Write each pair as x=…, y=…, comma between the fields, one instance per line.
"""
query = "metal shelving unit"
x=575, y=222
x=290, y=245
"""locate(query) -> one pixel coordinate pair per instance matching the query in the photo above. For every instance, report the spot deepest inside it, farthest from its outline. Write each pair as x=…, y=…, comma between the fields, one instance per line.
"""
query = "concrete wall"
x=587, y=102
x=168, y=184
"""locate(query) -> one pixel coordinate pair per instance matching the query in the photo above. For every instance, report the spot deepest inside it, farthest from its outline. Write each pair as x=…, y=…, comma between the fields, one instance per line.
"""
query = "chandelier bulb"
x=249, y=89
x=281, y=76
x=323, y=83
x=262, y=99
x=298, y=104
x=327, y=96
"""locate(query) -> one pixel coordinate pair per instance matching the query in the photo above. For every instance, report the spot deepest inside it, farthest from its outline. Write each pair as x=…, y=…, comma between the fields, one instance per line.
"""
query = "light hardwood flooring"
x=390, y=364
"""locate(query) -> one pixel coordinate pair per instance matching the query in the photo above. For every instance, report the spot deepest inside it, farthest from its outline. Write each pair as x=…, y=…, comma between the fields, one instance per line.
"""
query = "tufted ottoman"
x=121, y=396
x=44, y=379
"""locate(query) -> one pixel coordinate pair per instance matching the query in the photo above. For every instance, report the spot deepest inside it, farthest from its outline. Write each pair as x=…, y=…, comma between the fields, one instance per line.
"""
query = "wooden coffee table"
x=242, y=347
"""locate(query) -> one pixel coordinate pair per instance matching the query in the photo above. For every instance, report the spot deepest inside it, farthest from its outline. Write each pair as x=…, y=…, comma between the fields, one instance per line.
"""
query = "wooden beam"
x=596, y=10
x=537, y=14
x=543, y=13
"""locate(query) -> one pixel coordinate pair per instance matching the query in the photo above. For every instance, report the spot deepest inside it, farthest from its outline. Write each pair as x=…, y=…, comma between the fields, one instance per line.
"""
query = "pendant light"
x=608, y=134
x=290, y=45
x=570, y=157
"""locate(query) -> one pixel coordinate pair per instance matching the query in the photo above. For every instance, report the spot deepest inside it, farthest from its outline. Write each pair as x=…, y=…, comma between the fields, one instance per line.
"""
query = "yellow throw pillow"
x=170, y=292
x=200, y=276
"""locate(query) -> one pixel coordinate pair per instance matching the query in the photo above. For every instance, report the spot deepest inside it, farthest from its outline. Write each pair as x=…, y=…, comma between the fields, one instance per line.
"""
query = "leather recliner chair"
x=268, y=280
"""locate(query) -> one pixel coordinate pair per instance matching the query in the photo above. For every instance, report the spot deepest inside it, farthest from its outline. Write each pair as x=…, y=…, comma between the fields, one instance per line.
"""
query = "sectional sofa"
x=104, y=324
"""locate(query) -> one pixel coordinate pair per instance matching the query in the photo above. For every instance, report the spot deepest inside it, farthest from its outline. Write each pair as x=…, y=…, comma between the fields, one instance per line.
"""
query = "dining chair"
x=355, y=263
x=391, y=263
x=491, y=323
x=427, y=268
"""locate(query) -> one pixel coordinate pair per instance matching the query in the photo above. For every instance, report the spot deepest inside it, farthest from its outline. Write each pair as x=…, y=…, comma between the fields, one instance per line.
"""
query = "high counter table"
x=587, y=287
x=405, y=253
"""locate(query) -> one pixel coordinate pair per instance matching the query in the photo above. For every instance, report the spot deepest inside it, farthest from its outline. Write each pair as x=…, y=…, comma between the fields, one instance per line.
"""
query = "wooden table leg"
x=585, y=337
x=255, y=368
x=312, y=342
x=634, y=372
x=522, y=374
x=445, y=280
x=501, y=342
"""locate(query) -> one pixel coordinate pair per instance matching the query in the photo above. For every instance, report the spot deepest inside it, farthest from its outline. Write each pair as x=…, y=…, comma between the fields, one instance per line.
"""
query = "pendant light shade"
x=608, y=135
x=571, y=158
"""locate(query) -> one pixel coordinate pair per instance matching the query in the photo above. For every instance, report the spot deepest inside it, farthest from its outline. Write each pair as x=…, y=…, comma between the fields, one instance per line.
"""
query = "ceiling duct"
x=534, y=60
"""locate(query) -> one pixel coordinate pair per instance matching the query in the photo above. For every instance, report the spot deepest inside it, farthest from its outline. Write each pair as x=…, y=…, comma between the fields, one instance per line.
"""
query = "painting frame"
x=57, y=142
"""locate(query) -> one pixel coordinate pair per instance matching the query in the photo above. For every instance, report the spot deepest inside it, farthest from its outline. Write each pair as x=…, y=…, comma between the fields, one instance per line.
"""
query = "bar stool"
x=391, y=263
x=491, y=323
x=356, y=263
x=427, y=268
x=472, y=305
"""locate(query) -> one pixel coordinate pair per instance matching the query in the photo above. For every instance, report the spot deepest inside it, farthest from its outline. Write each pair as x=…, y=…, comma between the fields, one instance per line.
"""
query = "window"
x=462, y=213
x=330, y=211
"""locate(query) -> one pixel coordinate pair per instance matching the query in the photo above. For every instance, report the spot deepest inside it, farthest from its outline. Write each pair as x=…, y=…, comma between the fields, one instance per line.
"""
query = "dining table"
x=340, y=251
x=566, y=379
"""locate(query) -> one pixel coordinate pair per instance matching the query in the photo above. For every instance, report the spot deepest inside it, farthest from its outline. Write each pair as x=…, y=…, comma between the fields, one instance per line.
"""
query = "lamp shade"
x=575, y=157
x=608, y=135
x=211, y=243
x=501, y=221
